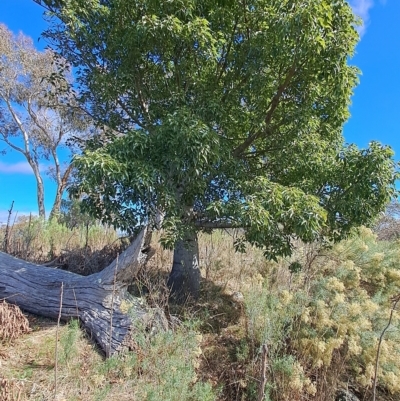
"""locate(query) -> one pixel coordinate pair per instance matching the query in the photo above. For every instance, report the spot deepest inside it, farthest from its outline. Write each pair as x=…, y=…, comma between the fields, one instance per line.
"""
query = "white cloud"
x=361, y=8
x=15, y=215
x=18, y=168
x=3, y=217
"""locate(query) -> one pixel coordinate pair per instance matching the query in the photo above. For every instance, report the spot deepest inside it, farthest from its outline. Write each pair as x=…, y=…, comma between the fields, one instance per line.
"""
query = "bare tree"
x=37, y=110
x=388, y=225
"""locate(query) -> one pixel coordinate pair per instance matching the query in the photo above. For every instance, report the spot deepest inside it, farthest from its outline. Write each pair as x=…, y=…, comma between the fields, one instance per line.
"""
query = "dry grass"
x=225, y=352
x=37, y=241
x=11, y=390
x=13, y=323
x=29, y=361
x=28, y=364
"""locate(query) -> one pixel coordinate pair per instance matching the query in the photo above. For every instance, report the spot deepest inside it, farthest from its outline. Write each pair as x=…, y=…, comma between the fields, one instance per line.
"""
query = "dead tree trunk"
x=100, y=300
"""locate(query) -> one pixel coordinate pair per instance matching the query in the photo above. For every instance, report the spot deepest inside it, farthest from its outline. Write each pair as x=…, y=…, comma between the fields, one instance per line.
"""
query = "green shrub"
x=163, y=368
x=37, y=240
x=326, y=321
x=68, y=342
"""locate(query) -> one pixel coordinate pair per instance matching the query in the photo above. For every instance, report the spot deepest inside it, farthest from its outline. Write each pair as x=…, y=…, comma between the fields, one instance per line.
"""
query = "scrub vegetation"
x=320, y=315
x=218, y=127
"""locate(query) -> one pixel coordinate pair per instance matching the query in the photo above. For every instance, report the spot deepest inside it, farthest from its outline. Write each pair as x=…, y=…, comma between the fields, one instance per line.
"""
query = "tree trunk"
x=40, y=197
x=39, y=185
x=184, y=279
x=100, y=300
x=55, y=210
x=62, y=181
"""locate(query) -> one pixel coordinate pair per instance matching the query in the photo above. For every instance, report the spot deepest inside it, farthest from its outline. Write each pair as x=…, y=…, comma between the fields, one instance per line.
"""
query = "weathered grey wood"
x=100, y=300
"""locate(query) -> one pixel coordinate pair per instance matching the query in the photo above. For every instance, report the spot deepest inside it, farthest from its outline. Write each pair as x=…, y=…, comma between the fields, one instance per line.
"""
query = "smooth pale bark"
x=184, y=279
x=25, y=150
x=39, y=187
x=62, y=181
x=100, y=300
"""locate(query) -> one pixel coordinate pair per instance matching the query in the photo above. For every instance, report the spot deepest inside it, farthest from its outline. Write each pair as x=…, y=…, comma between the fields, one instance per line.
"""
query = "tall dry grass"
x=319, y=314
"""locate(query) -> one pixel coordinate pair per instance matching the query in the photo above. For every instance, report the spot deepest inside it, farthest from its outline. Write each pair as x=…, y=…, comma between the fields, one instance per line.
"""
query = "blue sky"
x=375, y=112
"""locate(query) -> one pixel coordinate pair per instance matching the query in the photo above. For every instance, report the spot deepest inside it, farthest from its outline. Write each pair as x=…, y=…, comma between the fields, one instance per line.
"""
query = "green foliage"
x=328, y=322
x=295, y=267
x=68, y=342
x=174, y=369
x=72, y=216
x=37, y=240
x=220, y=114
x=38, y=113
x=164, y=368
x=321, y=323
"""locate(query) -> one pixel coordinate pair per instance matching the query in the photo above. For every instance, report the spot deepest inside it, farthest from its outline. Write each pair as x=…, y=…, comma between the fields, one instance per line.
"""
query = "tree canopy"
x=222, y=114
x=37, y=110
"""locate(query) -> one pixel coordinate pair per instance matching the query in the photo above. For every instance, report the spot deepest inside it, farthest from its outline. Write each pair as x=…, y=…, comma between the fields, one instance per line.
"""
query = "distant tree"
x=72, y=216
x=388, y=225
x=225, y=114
x=37, y=113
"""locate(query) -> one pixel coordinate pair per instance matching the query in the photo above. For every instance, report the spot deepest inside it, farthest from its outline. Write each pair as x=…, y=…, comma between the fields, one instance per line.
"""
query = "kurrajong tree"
x=221, y=113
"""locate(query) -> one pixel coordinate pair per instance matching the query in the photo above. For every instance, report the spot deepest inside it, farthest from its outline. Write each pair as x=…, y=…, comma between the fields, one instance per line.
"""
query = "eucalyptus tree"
x=37, y=115
x=221, y=114
x=387, y=227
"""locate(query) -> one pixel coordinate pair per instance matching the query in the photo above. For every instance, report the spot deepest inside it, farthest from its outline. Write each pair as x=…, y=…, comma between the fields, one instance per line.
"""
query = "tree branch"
x=36, y=120
x=21, y=127
x=395, y=302
x=216, y=224
x=225, y=57
x=15, y=147
x=271, y=109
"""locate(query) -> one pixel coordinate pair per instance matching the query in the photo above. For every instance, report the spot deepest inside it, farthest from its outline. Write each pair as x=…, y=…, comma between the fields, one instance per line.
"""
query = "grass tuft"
x=13, y=322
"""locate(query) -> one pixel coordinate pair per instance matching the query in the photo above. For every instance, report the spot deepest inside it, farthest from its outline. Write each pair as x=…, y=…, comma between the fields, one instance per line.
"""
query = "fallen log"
x=101, y=301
